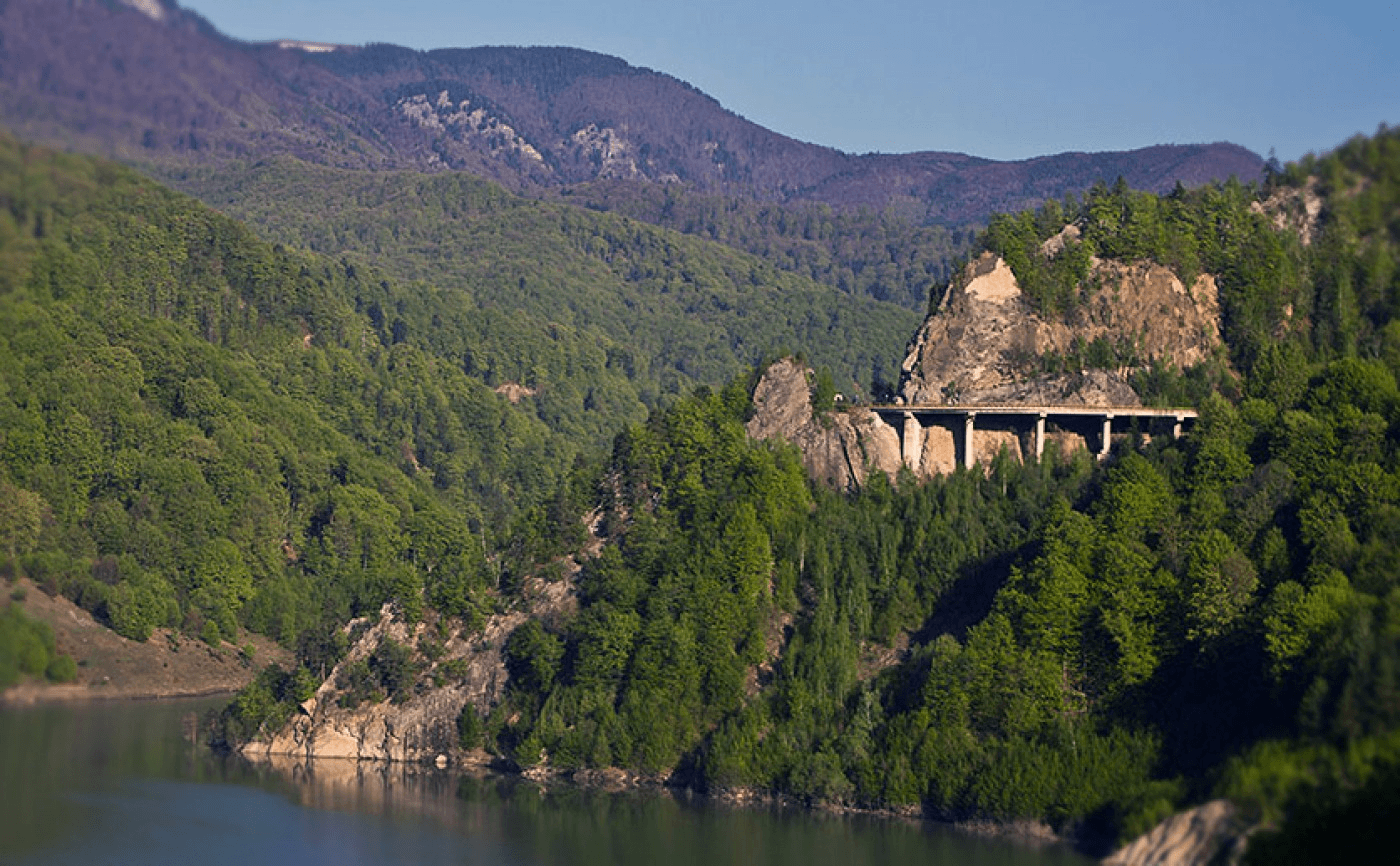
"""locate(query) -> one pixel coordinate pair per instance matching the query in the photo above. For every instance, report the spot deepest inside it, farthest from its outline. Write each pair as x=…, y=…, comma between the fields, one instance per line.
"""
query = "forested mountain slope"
x=881, y=256
x=887, y=254
x=186, y=406
x=598, y=313
x=198, y=429
x=1089, y=645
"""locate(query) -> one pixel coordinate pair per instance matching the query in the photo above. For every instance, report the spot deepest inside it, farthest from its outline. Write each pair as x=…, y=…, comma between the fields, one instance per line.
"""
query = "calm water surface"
x=127, y=784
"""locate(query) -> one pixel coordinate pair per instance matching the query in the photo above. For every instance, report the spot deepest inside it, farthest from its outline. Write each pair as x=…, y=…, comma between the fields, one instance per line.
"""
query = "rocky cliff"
x=840, y=448
x=1212, y=833
x=422, y=728
x=465, y=668
x=986, y=344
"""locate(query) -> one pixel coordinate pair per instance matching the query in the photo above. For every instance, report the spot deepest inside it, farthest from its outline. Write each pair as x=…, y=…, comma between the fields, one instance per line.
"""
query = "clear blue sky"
x=1006, y=79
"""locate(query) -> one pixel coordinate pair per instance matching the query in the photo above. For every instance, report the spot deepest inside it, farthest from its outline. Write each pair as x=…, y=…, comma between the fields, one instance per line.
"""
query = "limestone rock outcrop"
x=1208, y=834
x=985, y=343
x=423, y=728
x=840, y=448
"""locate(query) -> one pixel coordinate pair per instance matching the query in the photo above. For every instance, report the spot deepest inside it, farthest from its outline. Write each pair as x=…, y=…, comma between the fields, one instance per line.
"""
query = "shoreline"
x=613, y=780
x=167, y=665
x=33, y=693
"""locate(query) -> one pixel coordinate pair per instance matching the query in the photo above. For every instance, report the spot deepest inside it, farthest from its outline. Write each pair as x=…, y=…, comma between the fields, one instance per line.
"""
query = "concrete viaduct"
x=1094, y=423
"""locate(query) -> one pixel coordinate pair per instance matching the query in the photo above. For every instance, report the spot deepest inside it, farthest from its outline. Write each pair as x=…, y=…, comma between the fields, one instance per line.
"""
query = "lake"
x=128, y=783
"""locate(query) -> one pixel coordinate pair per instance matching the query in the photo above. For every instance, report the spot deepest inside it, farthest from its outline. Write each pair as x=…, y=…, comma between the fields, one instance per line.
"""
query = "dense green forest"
x=202, y=430
x=885, y=255
x=603, y=315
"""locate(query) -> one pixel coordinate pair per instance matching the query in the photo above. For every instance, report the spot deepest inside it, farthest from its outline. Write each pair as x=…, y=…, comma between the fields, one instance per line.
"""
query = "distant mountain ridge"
x=151, y=83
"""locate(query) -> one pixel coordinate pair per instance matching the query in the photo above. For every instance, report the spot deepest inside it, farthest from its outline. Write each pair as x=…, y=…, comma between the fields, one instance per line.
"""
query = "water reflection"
x=130, y=784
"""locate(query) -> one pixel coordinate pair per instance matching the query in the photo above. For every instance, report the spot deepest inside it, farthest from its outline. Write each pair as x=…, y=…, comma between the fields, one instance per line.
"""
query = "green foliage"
x=600, y=316
x=889, y=256
x=263, y=706
x=470, y=729
x=213, y=432
x=1086, y=645
x=142, y=601
x=200, y=430
x=1221, y=583
x=27, y=650
x=393, y=664
x=1316, y=791
x=1052, y=283
x=21, y=514
x=1296, y=616
x=358, y=684
x=1346, y=821
x=61, y=669
x=532, y=657
x=673, y=615
x=823, y=392
x=1253, y=556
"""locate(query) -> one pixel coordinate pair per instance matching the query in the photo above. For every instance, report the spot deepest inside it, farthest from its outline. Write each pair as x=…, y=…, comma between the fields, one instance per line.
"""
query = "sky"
x=1003, y=79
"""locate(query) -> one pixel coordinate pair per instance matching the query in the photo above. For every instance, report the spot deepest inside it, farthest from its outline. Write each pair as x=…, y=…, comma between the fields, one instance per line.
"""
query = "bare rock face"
x=782, y=401
x=422, y=729
x=1295, y=210
x=1210, y=833
x=987, y=346
x=842, y=448
x=985, y=342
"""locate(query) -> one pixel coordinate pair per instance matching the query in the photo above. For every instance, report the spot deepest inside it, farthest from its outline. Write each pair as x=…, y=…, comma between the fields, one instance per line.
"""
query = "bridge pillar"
x=1176, y=427
x=912, y=445
x=1039, y=436
x=969, y=450
x=1107, y=439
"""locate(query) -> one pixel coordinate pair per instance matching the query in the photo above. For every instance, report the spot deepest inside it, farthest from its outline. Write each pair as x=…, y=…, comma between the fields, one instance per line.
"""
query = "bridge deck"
x=911, y=444
x=1035, y=411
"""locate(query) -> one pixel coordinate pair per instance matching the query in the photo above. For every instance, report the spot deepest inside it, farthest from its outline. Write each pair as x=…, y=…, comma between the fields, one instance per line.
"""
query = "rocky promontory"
x=451, y=668
x=840, y=448
x=987, y=344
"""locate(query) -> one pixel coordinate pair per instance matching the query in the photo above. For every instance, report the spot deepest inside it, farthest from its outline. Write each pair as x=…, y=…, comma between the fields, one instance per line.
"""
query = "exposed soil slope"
x=168, y=665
